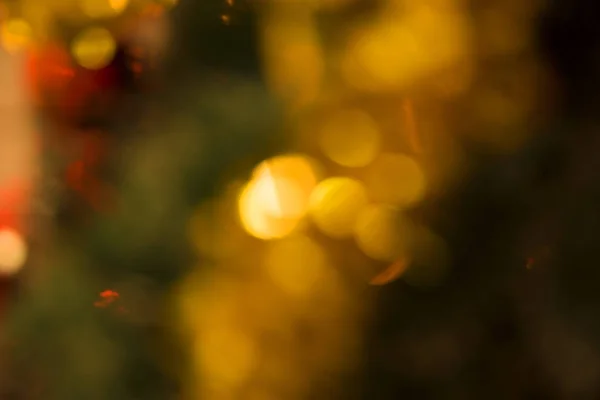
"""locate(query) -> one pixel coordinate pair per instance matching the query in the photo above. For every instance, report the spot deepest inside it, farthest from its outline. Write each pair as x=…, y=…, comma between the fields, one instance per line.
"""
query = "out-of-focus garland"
x=378, y=97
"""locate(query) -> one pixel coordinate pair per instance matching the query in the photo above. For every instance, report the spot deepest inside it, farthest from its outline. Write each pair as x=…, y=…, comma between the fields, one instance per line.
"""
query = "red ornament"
x=70, y=94
x=49, y=72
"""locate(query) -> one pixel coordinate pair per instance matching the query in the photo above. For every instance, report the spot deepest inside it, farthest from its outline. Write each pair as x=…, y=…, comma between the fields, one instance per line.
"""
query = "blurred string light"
x=361, y=82
x=94, y=48
x=13, y=252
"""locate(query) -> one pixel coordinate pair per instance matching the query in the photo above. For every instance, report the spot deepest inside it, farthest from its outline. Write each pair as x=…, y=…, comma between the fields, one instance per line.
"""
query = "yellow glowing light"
x=226, y=355
x=261, y=210
x=396, y=179
x=103, y=8
x=381, y=233
x=397, y=51
x=16, y=35
x=94, y=48
x=255, y=217
x=295, y=263
x=335, y=204
x=277, y=198
x=350, y=138
x=13, y=252
x=281, y=197
x=297, y=169
x=385, y=56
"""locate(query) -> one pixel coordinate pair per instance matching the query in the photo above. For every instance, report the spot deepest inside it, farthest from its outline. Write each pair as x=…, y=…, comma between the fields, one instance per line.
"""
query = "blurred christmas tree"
x=227, y=185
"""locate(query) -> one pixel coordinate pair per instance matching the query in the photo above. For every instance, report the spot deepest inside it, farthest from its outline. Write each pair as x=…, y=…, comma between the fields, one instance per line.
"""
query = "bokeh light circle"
x=350, y=138
x=277, y=197
x=94, y=48
x=295, y=263
x=13, y=252
x=381, y=233
x=396, y=179
x=103, y=8
x=335, y=204
x=260, y=211
x=296, y=173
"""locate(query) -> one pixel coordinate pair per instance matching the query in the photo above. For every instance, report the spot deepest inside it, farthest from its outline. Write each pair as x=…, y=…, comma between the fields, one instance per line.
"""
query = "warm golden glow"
x=396, y=51
x=16, y=35
x=13, y=252
x=276, y=199
x=350, y=138
x=94, y=48
x=380, y=233
x=260, y=202
x=226, y=355
x=385, y=56
x=103, y=8
x=396, y=179
x=335, y=204
x=300, y=171
x=295, y=264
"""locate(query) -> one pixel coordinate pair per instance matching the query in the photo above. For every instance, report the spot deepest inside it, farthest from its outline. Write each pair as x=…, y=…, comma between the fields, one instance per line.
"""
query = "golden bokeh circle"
x=350, y=138
x=94, y=48
x=396, y=179
x=260, y=210
x=381, y=233
x=298, y=174
x=277, y=197
x=335, y=204
x=295, y=263
x=103, y=8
